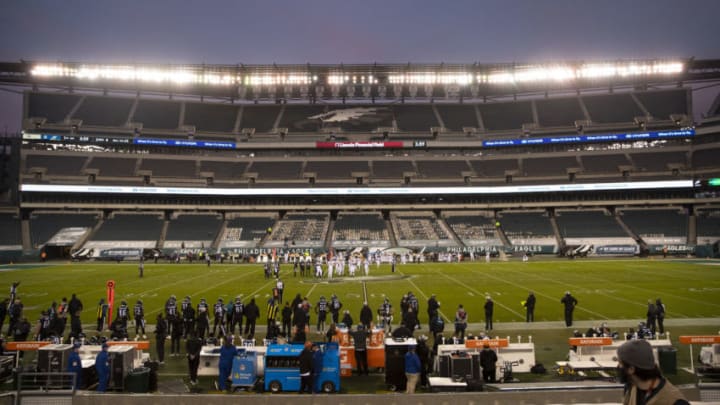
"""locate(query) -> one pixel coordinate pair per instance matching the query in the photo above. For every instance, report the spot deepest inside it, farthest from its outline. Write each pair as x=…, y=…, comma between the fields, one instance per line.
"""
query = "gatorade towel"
x=110, y=299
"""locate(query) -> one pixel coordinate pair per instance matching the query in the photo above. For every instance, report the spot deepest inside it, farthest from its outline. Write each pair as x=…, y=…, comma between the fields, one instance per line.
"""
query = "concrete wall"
x=494, y=398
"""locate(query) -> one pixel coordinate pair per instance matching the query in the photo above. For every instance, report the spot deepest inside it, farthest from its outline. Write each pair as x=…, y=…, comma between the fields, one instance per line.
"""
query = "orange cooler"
x=347, y=361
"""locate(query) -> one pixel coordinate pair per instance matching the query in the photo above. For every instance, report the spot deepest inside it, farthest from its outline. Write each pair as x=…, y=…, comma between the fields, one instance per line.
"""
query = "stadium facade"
x=568, y=158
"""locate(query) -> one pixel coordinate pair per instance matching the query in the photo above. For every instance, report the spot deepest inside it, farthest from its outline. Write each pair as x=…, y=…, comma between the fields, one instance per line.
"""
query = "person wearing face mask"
x=644, y=383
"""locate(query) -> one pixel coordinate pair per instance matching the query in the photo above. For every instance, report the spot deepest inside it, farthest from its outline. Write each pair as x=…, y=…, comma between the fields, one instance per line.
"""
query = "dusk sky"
x=335, y=31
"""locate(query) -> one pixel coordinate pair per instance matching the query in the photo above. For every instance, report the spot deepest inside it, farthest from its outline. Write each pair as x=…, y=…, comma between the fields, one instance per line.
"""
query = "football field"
x=605, y=289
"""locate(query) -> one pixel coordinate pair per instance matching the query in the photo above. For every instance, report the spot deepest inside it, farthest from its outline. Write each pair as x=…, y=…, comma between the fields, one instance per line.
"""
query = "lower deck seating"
x=43, y=226
x=130, y=227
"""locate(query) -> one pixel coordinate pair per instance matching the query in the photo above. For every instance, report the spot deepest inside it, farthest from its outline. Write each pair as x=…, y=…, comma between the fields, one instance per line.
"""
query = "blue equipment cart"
x=282, y=370
x=244, y=371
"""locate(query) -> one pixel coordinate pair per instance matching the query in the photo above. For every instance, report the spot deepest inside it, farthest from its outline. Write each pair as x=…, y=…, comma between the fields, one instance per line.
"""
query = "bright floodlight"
x=132, y=73
x=431, y=78
x=223, y=76
x=585, y=71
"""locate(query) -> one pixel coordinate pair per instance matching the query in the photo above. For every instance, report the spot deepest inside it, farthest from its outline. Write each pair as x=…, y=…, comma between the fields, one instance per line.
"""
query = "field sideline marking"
x=500, y=304
x=544, y=295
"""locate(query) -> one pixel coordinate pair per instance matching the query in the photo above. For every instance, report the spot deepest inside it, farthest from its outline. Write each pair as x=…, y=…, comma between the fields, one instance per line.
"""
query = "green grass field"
x=606, y=290
x=611, y=289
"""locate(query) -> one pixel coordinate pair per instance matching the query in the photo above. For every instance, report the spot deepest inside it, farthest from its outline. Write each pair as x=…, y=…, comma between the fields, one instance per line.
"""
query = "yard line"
x=500, y=304
x=204, y=275
x=186, y=280
x=252, y=294
x=94, y=290
x=311, y=290
x=576, y=287
x=654, y=293
x=364, y=291
x=675, y=296
x=215, y=285
x=538, y=293
x=426, y=297
x=640, y=304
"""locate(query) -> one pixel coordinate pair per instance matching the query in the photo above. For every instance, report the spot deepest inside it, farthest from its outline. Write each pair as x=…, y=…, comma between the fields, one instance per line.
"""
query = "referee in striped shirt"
x=272, y=311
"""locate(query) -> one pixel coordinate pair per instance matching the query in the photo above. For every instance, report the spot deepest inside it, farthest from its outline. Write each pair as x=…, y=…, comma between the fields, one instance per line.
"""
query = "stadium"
x=475, y=180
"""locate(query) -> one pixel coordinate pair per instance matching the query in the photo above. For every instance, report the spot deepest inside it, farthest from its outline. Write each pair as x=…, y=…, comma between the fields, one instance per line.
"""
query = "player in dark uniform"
x=188, y=316
x=43, y=326
x=123, y=314
x=238, y=310
x=414, y=304
x=171, y=312
x=203, y=319
x=335, y=306
x=433, y=308
x=321, y=309
x=385, y=314
x=139, y=314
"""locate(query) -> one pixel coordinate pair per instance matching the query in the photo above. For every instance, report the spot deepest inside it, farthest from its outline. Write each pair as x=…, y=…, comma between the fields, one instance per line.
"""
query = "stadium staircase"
x=163, y=234
x=391, y=232
x=503, y=237
x=692, y=229
x=266, y=236
x=556, y=230
x=630, y=232
x=219, y=237
x=450, y=231
x=25, y=233
x=86, y=164
x=87, y=235
x=328, y=236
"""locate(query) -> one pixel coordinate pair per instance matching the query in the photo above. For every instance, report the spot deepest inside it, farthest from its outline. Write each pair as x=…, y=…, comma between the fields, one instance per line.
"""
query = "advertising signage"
x=102, y=139
x=624, y=137
x=490, y=143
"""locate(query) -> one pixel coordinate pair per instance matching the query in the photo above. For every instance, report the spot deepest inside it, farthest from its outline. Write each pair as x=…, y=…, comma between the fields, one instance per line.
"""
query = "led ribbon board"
x=347, y=191
x=593, y=138
x=185, y=143
x=358, y=145
x=492, y=143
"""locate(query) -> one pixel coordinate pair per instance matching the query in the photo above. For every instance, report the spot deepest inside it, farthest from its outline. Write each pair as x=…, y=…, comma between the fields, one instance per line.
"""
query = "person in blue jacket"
x=228, y=351
x=412, y=369
x=102, y=368
x=317, y=362
x=75, y=365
